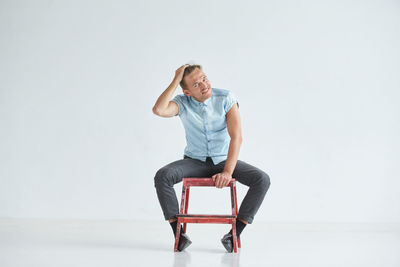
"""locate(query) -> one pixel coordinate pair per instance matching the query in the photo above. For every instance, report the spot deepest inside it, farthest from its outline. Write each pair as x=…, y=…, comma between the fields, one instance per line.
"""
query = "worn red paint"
x=184, y=217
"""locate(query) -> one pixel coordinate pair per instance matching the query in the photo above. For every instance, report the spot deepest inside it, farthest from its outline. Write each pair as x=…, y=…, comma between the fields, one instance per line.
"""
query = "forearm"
x=233, y=154
x=163, y=100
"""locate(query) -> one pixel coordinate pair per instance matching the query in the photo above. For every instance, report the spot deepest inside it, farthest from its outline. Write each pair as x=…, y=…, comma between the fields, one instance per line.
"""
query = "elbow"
x=156, y=111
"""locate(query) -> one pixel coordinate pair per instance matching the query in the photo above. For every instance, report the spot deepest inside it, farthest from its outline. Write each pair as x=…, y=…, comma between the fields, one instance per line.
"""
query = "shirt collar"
x=205, y=103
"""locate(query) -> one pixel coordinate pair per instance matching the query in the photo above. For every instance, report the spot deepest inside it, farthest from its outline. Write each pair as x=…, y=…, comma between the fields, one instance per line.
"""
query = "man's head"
x=195, y=83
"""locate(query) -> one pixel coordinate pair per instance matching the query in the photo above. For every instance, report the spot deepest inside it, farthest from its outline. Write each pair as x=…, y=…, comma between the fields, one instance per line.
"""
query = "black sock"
x=173, y=225
x=239, y=227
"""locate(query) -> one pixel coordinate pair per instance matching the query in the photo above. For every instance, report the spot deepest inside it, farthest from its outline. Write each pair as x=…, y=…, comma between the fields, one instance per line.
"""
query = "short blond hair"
x=189, y=69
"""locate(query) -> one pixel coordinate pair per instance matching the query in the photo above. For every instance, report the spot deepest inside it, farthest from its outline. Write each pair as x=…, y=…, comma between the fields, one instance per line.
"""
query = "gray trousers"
x=172, y=173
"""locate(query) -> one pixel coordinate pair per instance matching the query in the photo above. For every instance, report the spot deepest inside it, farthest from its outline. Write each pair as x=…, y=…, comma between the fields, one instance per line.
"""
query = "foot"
x=227, y=241
x=184, y=242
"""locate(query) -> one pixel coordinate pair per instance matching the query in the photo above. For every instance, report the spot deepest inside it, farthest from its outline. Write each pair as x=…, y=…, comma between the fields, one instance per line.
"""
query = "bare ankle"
x=243, y=221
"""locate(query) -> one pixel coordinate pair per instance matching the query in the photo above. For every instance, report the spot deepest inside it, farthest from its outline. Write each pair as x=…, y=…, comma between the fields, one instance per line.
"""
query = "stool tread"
x=207, y=215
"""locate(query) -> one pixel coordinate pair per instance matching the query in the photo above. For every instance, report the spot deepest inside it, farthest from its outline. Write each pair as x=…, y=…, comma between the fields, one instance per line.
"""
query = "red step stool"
x=184, y=217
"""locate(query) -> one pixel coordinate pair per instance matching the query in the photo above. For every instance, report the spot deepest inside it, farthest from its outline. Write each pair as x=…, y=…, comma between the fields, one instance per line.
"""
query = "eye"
x=204, y=79
x=195, y=85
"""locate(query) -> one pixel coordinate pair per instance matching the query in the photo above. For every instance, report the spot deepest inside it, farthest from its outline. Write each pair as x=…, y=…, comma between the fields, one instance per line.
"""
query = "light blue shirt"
x=205, y=124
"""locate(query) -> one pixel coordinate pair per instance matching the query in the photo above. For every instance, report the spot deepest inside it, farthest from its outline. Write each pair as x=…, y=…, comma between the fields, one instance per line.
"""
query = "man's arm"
x=235, y=132
x=164, y=107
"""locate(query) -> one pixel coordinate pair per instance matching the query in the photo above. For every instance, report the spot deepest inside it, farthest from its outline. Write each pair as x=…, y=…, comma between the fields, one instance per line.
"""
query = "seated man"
x=211, y=120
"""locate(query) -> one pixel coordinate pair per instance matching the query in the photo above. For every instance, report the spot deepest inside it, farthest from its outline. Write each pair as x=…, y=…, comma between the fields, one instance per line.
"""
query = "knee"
x=165, y=176
x=264, y=181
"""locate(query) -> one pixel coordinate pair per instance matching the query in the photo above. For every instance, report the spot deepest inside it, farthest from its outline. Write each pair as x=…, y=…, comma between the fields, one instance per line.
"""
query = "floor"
x=75, y=243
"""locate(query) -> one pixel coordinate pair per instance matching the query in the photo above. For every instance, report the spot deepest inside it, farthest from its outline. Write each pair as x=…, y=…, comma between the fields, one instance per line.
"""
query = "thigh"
x=186, y=167
x=244, y=173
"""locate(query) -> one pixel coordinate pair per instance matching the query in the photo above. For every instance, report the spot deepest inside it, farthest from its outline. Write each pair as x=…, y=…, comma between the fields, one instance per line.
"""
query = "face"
x=197, y=85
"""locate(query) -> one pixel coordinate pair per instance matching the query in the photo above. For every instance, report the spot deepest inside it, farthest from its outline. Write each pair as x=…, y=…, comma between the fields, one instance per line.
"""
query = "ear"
x=186, y=92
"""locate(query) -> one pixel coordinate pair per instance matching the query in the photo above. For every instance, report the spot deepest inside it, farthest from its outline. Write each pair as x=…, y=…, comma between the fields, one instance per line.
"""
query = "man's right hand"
x=179, y=73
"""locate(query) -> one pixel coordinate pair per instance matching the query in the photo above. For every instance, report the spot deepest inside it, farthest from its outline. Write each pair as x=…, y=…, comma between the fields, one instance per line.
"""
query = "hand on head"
x=179, y=72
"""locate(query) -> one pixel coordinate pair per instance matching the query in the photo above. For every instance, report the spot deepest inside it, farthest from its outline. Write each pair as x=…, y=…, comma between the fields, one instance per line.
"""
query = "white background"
x=317, y=81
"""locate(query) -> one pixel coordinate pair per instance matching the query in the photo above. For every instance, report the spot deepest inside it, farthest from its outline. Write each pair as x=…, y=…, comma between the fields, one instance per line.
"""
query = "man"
x=212, y=124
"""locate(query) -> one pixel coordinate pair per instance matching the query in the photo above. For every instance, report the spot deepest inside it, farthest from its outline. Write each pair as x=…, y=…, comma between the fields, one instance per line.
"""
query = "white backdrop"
x=317, y=81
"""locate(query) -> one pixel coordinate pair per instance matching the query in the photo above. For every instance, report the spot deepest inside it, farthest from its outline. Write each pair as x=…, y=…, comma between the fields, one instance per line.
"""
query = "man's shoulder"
x=181, y=97
x=220, y=92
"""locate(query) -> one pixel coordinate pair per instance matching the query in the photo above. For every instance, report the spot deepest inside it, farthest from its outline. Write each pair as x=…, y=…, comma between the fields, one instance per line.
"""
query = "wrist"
x=176, y=80
x=228, y=172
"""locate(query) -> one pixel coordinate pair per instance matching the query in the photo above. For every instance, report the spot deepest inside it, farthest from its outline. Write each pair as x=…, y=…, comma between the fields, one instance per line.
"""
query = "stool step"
x=206, y=215
x=193, y=218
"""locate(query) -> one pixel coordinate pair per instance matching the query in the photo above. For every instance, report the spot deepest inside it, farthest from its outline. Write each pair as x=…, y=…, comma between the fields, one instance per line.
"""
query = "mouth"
x=205, y=91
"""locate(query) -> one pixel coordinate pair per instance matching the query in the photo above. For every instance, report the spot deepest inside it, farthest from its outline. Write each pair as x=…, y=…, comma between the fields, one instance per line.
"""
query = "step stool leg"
x=186, y=206
x=236, y=210
x=234, y=236
x=178, y=233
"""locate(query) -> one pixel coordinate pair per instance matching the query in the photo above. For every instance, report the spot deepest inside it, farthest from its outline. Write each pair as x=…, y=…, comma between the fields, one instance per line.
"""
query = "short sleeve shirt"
x=205, y=124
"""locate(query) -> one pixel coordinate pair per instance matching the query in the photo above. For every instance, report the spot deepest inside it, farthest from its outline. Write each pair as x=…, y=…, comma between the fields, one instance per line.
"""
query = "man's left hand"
x=222, y=179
